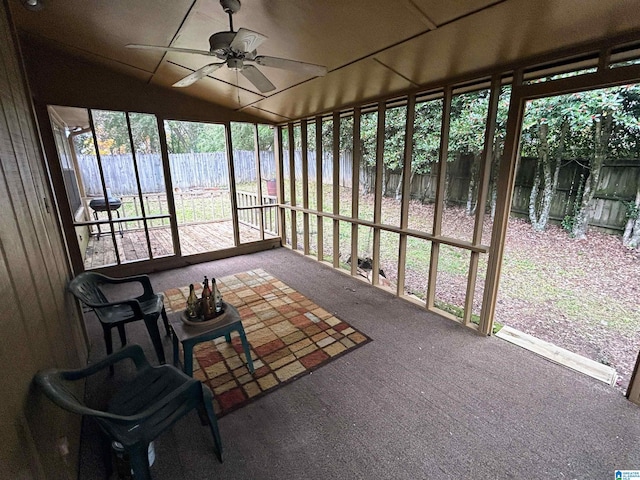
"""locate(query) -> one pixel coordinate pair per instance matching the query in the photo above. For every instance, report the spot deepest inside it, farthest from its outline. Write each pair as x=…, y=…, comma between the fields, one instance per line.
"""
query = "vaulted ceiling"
x=372, y=48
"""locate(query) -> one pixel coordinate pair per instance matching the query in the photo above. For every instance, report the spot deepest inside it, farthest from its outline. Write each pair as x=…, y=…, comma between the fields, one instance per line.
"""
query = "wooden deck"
x=196, y=238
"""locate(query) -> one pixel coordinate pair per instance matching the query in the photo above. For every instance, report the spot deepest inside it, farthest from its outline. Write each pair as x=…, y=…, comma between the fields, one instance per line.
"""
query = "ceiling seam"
x=264, y=110
x=372, y=55
x=173, y=39
x=424, y=32
x=396, y=72
x=430, y=23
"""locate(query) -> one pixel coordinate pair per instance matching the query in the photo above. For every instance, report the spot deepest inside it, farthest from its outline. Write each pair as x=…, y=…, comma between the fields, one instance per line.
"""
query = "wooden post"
x=305, y=182
x=485, y=175
x=260, y=211
x=506, y=182
x=406, y=192
x=440, y=194
x=168, y=185
x=280, y=183
x=137, y=172
x=377, y=207
x=232, y=185
x=319, y=188
x=292, y=186
x=355, y=188
x=336, y=188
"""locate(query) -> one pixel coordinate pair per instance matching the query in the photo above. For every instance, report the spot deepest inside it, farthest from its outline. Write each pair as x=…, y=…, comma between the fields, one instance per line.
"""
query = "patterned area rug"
x=290, y=336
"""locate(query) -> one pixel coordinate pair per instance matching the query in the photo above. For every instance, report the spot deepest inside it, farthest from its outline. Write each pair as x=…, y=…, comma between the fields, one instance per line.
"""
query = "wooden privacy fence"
x=196, y=170
x=188, y=170
x=618, y=179
x=618, y=183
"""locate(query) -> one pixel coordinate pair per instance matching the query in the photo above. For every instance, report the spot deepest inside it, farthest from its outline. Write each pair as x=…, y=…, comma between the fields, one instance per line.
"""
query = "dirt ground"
x=581, y=295
x=584, y=294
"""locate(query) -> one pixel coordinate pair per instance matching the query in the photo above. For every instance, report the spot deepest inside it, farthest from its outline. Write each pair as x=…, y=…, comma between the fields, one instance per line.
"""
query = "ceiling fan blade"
x=247, y=40
x=302, y=67
x=197, y=75
x=168, y=49
x=256, y=77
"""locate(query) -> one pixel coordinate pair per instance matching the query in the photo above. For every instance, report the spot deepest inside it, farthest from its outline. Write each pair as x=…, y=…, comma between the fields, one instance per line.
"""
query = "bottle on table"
x=192, y=303
x=217, y=296
x=206, y=298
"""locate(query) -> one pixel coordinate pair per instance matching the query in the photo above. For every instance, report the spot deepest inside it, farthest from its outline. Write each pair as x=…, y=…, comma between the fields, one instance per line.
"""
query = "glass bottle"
x=206, y=298
x=217, y=296
x=192, y=303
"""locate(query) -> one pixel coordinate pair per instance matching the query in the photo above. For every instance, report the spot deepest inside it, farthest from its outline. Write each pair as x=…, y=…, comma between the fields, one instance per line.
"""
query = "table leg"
x=247, y=351
x=188, y=359
x=176, y=348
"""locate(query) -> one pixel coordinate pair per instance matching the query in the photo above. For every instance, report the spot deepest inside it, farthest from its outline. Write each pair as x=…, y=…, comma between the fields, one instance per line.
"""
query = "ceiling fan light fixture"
x=33, y=5
x=235, y=63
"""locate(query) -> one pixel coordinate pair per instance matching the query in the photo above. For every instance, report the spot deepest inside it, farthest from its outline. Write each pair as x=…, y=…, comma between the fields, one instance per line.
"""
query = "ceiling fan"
x=237, y=50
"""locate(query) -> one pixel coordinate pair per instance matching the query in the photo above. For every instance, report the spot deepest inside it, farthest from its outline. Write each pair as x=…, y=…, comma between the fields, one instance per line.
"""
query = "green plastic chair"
x=141, y=410
x=147, y=307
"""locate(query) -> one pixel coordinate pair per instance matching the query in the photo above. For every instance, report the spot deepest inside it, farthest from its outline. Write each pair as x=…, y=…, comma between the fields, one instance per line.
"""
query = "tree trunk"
x=411, y=178
x=634, y=240
x=447, y=180
x=631, y=236
x=559, y=154
x=367, y=178
x=385, y=180
x=398, y=195
x=551, y=182
x=473, y=174
x=542, y=174
x=602, y=135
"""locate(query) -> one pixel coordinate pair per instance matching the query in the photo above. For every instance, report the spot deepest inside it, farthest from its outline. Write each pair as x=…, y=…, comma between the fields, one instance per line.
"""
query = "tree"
x=587, y=127
x=605, y=125
x=545, y=127
x=466, y=135
x=426, y=139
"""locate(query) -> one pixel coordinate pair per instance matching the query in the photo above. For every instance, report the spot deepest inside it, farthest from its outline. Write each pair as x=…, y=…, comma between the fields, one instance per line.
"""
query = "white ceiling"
x=372, y=48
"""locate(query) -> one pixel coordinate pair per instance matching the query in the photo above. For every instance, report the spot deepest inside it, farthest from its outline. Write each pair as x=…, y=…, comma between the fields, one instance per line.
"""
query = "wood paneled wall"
x=40, y=323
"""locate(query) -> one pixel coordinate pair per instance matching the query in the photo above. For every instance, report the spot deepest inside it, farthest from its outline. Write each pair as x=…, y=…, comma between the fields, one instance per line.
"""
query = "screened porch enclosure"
x=411, y=194
x=116, y=184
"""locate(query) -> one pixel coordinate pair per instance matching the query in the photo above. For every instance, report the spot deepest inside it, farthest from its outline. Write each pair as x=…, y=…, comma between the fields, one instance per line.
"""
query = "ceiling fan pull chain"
x=238, y=88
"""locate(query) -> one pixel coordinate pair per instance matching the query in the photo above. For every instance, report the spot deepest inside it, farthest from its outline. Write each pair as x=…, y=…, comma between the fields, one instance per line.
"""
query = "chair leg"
x=139, y=458
x=207, y=400
x=107, y=456
x=123, y=335
x=108, y=343
x=165, y=320
x=154, y=333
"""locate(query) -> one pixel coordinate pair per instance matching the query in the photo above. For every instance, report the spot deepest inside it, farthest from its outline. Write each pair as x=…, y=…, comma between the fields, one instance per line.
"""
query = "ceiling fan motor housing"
x=220, y=42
